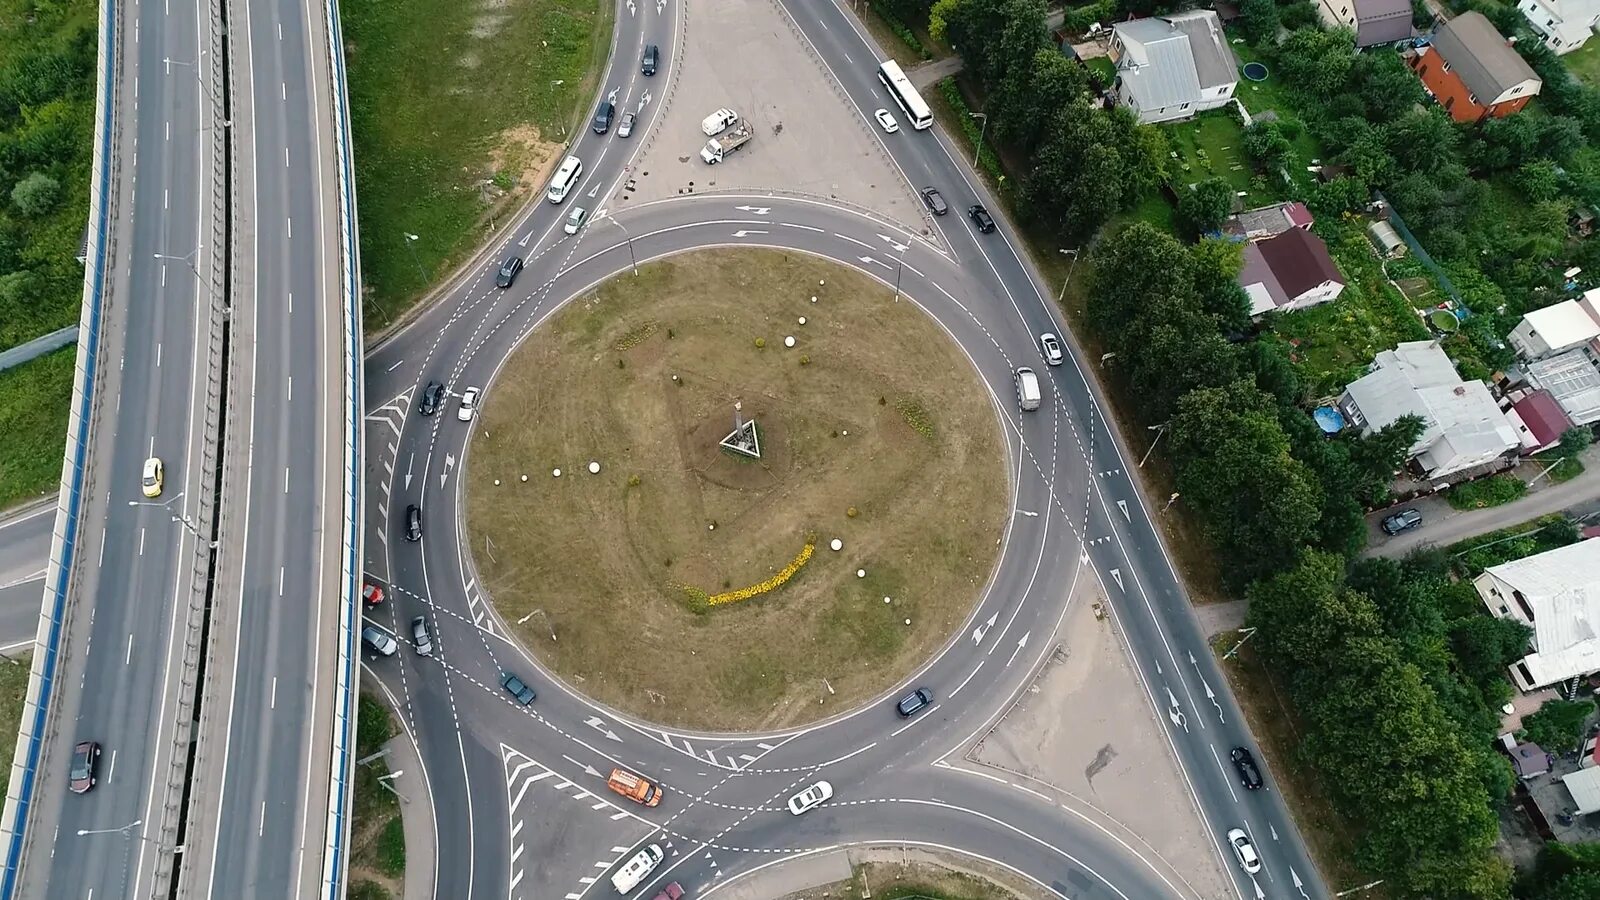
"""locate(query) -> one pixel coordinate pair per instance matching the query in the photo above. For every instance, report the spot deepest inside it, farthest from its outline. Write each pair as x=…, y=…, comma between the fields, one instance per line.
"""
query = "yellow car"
x=152, y=477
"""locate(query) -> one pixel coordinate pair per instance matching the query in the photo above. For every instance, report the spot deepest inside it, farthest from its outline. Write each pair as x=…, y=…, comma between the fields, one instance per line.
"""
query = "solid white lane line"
x=274, y=700
x=141, y=541
x=111, y=769
x=914, y=721
x=128, y=657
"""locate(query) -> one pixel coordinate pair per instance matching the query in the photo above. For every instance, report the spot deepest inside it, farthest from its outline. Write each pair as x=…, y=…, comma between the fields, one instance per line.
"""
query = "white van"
x=1027, y=388
x=636, y=869
x=566, y=177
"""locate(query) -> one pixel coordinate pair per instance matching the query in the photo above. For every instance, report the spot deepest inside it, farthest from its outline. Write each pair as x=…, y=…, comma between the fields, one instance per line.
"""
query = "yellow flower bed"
x=771, y=584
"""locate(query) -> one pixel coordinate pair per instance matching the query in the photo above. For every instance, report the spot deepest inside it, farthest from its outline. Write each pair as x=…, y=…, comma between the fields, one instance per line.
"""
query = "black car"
x=914, y=702
x=85, y=759
x=1404, y=520
x=935, y=201
x=981, y=216
x=652, y=56
x=508, y=272
x=432, y=396
x=602, y=116
x=517, y=688
x=413, y=523
x=1249, y=775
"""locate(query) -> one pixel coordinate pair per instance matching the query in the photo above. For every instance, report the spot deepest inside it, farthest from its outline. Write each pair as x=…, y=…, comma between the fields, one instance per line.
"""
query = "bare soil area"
x=874, y=431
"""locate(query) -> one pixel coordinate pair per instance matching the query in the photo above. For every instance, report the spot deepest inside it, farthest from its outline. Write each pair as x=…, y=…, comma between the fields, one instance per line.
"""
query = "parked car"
x=625, y=127
x=603, y=115
x=154, y=475
x=673, y=891
x=1245, y=763
x=914, y=702
x=371, y=594
x=420, y=636
x=85, y=760
x=432, y=396
x=413, y=523
x=508, y=272
x=935, y=201
x=981, y=217
x=517, y=688
x=650, y=59
x=718, y=122
x=468, y=405
x=886, y=121
x=1244, y=851
x=1050, y=348
x=379, y=640
x=811, y=798
x=1404, y=520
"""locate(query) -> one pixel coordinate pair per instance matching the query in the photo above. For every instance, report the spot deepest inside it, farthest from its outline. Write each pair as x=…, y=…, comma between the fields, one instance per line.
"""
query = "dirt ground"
x=1087, y=729
x=874, y=411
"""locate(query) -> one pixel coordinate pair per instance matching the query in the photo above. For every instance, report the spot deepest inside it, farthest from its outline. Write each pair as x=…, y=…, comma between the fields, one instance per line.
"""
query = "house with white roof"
x=1172, y=67
x=1563, y=24
x=1463, y=426
x=1557, y=594
x=1556, y=329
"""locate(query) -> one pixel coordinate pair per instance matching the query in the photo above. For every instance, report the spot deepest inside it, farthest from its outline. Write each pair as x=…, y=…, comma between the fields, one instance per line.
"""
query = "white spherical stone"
x=908, y=621
x=886, y=600
x=813, y=299
x=861, y=573
x=497, y=482
x=594, y=468
x=802, y=320
x=556, y=472
x=789, y=341
x=524, y=478
x=836, y=544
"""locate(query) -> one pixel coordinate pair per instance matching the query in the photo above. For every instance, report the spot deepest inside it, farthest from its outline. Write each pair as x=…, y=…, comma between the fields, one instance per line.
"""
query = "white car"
x=575, y=220
x=718, y=122
x=151, y=482
x=887, y=121
x=1050, y=347
x=811, y=798
x=1245, y=851
x=469, y=405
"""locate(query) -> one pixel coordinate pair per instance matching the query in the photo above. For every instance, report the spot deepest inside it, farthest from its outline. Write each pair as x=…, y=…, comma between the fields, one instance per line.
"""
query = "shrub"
x=761, y=343
x=900, y=30
x=1485, y=492
x=851, y=513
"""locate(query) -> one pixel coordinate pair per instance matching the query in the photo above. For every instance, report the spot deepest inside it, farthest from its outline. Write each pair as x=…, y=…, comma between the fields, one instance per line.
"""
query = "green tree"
x=1179, y=350
x=1340, y=195
x=1557, y=726
x=1484, y=645
x=36, y=195
x=1051, y=81
x=1306, y=615
x=1204, y=206
x=1139, y=262
x=1575, y=440
x=1382, y=454
x=1265, y=143
x=1539, y=180
x=1317, y=62
x=1216, y=265
x=1258, y=19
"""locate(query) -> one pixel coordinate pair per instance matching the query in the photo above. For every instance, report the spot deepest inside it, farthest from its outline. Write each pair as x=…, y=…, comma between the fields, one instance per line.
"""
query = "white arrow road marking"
x=898, y=247
x=525, y=239
x=449, y=463
x=1030, y=514
x=409, y=461
x=872, y=261
x=981, y=630
x=644, y=101
x=745, y=233
x=758, y=210
x=1174, y=713
x=1210, y=695
x=599, y=724
x=1123, y=505
x=1020, y=644
x=587, y=769
x=1116, y=575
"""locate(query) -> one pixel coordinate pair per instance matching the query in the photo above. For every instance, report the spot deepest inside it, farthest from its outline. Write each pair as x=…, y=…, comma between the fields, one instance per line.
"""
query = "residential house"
x=1556, y=329
x=1473, y=71
x=1463, y=427
x=1529, y=761
x=1571, y=378
x=1267, y=221
x=1290, y=270
x=1374, y=21
x=1172, y=67
x=1539, y=420
x=1557, y=594
x=1563, y=24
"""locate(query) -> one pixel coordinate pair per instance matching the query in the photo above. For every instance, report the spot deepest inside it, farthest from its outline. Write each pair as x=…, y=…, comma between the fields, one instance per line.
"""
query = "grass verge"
x=890, y=446
x=1496, y=490
x=35, y=399
x=457, y=111
x=378, y=840
x=1484, y=551
x=13, y=691
x=362, y=889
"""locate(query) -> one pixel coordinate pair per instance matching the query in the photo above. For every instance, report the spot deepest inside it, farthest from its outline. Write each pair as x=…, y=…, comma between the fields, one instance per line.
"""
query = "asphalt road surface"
x=24, y=553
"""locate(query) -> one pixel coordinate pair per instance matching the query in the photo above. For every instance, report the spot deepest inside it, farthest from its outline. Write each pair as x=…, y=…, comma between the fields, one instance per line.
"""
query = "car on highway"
x=468, y=405
x=886, y=121
x=603, y=116
x=517, y=688
x=413, y=523
x=625, y=127
x=154, y=474
x=1028, y=393
x=1050, y=348
x=575, y=220
x=914, y=702
x=432, y=396
x=371, y=594
x=650, y=60
x=420, y=636
x=673, y=891
x=935, y=201
x=379, y=640
x=85, y=760
x=981, y=217
x=637, y=868
x=1404, y=520
x=718, y=122
x=1245, y=763
x=1244, y=851
x=508, y=272
x=811, y=798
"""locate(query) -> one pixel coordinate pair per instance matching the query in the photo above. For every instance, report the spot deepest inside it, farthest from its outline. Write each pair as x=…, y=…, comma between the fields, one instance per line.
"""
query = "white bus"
x=904, y=94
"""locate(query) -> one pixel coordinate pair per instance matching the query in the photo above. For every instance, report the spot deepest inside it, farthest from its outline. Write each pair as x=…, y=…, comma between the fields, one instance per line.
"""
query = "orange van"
x=634, y=788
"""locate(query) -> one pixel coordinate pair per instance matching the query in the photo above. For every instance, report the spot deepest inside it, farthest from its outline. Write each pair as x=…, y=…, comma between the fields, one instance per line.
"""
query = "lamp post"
x=188, y=259
x=1074, y=254
x=981, y=132
x=123, y=830
x=634, y=260
x=1159, y=430
x=180, y=518
x=410, y=239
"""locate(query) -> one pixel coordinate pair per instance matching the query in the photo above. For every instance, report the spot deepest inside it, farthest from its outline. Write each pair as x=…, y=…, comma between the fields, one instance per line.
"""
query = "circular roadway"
x=490, y=764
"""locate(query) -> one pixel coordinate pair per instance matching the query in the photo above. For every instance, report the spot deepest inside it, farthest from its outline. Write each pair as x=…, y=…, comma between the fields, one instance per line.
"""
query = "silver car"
x=379, y=640
x=625, y=127
x=421, y=637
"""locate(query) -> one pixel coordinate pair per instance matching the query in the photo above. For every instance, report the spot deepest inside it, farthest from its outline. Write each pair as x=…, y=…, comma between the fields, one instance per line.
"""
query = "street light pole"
x=1074, y=254
x=1159, y=430
x=631, y=258
x=420, y=273
x=981, y=132
x=900, y=265
x=179, y=518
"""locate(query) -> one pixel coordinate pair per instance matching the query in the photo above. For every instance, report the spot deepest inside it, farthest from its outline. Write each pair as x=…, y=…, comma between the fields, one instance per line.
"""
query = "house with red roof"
x=1539, y=420
x=1290, y=270
x=1473, y=71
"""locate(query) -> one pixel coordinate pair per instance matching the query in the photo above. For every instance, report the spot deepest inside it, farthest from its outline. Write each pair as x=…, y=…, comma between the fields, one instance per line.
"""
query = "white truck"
x=718, y=148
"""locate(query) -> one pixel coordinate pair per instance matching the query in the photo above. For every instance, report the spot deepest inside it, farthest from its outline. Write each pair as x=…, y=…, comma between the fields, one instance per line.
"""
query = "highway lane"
x=261, y=832
x=24, y=553
x=122, y=678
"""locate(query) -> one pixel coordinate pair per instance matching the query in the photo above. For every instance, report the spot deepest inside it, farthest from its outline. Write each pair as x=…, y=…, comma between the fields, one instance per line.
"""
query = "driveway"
x=1444, y=525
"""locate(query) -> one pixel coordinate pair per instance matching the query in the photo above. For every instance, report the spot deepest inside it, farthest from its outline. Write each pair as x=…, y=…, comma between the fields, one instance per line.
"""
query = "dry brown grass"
x=605, y=557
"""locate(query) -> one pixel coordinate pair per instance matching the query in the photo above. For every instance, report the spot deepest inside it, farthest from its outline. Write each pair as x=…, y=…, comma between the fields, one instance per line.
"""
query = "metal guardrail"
x=53, y=612
x=335, y=861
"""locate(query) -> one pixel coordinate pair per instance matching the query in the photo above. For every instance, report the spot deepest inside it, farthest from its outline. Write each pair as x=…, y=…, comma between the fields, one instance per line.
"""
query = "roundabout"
x=872, y=430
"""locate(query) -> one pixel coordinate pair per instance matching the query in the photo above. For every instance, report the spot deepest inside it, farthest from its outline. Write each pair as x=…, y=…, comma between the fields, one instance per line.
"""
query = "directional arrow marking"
x=877, y=262
x=449, y=463
x=1020, y=644
x=1123, y=505
x=587, y=769
x=525, y=238
x=1116, y=575
x=746, y=232
x=898, y=247
x=758, y=210
x=981, y=630
x=409, y=461
x=598, y=724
